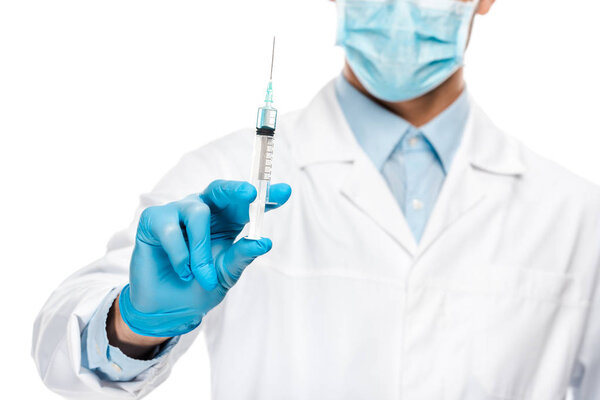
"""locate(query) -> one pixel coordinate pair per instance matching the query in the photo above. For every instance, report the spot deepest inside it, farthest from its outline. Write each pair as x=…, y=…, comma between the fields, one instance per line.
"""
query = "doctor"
x=424, y=253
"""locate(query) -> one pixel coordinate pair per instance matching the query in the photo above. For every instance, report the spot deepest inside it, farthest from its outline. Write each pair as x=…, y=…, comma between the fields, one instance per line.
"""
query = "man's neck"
x=423, y=109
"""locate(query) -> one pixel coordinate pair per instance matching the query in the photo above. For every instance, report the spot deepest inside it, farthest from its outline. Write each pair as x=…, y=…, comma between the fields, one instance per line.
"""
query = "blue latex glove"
x=185, y=259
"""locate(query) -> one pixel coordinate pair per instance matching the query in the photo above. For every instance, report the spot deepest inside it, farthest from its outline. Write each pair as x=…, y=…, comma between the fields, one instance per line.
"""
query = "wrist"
x=160, y=324
x=130, y=343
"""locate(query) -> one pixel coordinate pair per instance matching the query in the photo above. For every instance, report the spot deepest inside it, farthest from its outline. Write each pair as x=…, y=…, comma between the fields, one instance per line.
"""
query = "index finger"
x=279, y=193
x=219, y=194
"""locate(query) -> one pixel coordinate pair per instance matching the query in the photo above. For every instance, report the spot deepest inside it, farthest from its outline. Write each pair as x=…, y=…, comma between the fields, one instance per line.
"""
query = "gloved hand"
x=185, y=259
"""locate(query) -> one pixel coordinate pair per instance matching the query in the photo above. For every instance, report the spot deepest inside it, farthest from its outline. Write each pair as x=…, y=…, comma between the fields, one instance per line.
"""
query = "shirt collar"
x=378, y=130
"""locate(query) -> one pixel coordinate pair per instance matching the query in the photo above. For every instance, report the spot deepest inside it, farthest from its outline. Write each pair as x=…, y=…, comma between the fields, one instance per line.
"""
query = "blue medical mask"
x=402, y=49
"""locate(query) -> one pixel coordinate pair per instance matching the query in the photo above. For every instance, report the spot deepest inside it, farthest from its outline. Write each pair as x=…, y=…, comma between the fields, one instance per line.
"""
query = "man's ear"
x=485, y=6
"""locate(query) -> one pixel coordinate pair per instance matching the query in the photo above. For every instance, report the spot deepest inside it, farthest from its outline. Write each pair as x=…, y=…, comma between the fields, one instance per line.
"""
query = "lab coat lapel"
x=463, y=190
x=484, y=159
x=321, y=135
x=365, y=187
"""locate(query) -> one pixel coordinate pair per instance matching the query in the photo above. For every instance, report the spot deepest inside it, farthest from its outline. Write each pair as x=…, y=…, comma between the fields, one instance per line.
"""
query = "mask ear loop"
x=472, y=23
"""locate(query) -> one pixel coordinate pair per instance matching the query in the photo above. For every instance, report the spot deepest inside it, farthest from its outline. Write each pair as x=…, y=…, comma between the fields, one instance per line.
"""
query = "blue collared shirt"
x=413, y=161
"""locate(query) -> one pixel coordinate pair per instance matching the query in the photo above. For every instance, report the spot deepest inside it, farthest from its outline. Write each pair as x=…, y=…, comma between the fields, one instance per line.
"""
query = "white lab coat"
x=498, y=301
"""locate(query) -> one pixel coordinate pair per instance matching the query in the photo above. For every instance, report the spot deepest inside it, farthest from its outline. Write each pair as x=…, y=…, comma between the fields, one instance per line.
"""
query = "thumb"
x=233, y=262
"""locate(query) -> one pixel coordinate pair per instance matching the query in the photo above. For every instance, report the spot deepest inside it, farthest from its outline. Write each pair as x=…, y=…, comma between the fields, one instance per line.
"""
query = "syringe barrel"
x=262, y=162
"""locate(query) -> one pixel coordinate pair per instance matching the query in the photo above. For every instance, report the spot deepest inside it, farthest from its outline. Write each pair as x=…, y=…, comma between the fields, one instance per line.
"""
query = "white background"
x=98, y=99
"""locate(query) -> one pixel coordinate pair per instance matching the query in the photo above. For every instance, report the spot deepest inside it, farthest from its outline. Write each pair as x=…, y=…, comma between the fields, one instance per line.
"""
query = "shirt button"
x=417, y=204
x=413, y=141
x=116, y=367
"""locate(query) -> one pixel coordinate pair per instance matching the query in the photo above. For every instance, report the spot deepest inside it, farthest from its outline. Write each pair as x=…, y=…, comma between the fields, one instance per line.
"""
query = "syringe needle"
x=272, y=59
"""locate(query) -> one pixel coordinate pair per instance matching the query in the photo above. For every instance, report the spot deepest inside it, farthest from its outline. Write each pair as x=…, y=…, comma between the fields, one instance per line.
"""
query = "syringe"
x=262, y=159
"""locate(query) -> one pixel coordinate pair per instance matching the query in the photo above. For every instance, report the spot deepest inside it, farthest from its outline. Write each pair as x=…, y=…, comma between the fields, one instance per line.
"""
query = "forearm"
x=130, y=343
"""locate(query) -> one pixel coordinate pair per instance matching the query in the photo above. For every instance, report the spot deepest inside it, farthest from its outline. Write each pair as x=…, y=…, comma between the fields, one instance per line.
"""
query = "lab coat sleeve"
x=585, y=380
x=57, y=344
x=109, y=362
